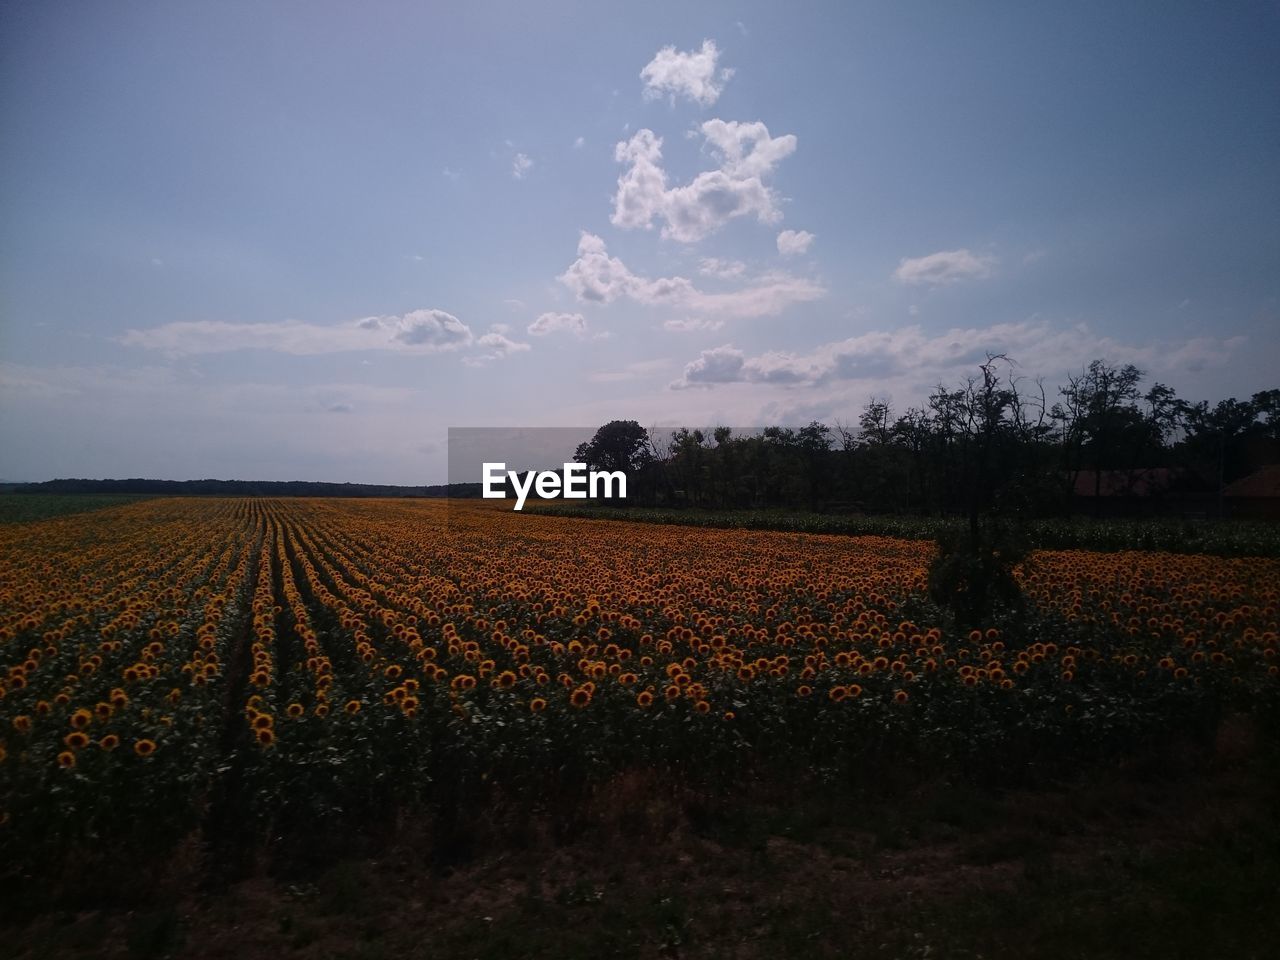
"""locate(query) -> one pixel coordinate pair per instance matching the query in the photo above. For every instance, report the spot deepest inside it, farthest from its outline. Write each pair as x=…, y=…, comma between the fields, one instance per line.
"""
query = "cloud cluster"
x=911, y=352
x=596, y=277
x=946, y=266
x=421, y=331
x=693, y=75
x=746, y=154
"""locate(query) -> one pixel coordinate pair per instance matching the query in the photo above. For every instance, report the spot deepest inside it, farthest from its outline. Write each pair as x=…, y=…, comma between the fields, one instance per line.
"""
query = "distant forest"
x=995, y=443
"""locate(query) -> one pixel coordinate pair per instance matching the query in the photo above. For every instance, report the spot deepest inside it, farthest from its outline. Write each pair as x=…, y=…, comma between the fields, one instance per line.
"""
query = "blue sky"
x=301, y=240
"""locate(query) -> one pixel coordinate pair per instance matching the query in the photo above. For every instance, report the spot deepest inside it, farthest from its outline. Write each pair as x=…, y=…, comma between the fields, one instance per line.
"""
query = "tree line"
x=995, y=443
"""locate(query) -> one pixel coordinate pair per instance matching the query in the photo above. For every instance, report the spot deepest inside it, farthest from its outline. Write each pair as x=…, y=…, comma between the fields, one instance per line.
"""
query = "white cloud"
x=419, y=331
x=497, y=345
x=718, y=365
x=549, y=323
x=691, y=324
x=578, y=143
x=947, y=266
x=597, y=277
x=520, y=166
x=692, y=74
x=793, y=243
x=723, y=269
x=911, y=355
x=746, y=149
x=746, y=154
x=451, y=174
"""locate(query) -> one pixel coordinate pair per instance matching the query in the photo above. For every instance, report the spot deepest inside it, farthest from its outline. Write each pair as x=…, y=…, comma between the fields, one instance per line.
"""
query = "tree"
x=1099, y=404
x=618, y=445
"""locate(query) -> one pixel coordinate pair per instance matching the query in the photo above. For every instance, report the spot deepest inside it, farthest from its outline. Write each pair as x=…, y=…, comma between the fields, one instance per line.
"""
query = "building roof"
x=1143, y=482
x=1261, y=483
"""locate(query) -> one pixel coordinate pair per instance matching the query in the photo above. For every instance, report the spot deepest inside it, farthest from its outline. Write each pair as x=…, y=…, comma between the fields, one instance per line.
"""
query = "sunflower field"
x=236, y=669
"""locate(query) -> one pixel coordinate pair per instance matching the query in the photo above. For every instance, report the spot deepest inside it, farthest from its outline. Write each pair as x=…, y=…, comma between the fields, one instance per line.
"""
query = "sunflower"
x=702, y=706
x=836, y=694
x=144, y=748
x=580, y=697
x=537, y=705
x=66, y=759
x=266, y=737
x=77, y=740
x=804, y=690
x=351, y=707
x=109, y=742
x=644, y=699
x=262, y=721
x=900, y=696
x=295, y=710
x=81, y=718
x=22, y=723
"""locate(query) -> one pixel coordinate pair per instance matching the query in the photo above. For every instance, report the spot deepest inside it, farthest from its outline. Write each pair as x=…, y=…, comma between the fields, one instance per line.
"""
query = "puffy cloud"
x=521, y=166
x=549, y=323
x=599, y=278
x=946, y=266
x=642, y=188
x=421, y=331
x=497, y=346
x=692, y=74
x=914, y=355
x=690, y=212
x=432, y=328
x=718, y=365
x=793, y=243
x=745, y=149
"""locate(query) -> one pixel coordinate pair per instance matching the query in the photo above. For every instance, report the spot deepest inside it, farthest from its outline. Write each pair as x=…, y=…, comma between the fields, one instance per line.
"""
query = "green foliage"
x=973, y=576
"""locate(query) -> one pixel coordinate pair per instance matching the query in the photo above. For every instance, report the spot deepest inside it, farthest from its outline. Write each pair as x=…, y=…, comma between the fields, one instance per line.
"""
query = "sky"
x=284, y=241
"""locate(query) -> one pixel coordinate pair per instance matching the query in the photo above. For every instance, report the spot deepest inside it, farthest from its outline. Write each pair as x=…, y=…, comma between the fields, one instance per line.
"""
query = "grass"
x=1113, y=865
x=29, y=507
x=1230, y=538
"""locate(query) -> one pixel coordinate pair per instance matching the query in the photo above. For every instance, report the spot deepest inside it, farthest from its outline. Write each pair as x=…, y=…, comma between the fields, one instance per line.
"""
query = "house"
x=1255, y=497
x=1143, y=492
